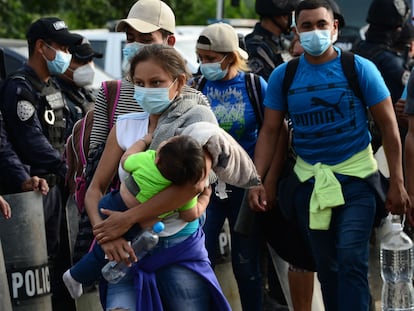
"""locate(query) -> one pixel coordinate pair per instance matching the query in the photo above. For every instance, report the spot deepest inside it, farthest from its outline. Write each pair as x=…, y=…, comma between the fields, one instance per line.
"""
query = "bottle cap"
x=158, y=227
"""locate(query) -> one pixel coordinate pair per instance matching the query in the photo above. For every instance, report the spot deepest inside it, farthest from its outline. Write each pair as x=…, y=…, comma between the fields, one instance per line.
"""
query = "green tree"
x=13, y=19
x=16, y=15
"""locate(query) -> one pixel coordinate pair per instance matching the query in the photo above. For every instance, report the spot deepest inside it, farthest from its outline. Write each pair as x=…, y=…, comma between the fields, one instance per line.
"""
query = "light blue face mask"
x=61, y=62
x=213, y=71
x=128, y=52
x=315, y=42
x=153, y=100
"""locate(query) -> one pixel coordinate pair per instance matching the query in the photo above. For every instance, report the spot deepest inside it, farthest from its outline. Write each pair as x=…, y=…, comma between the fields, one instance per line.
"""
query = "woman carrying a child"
x=178, y=276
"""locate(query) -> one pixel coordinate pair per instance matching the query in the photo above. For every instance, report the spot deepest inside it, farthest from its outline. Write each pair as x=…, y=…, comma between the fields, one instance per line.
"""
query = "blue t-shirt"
x=234, y=112
x=329, y=121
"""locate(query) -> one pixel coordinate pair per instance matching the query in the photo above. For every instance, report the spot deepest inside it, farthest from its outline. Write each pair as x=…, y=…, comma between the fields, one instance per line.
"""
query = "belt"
x=131, y=185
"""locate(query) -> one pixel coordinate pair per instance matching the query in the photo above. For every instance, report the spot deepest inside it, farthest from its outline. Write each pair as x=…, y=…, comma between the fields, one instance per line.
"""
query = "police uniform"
x=35, y=118
x=265, y=51
x=392, y=65
x=78, y=101
x=385, y=19
x=12, y=172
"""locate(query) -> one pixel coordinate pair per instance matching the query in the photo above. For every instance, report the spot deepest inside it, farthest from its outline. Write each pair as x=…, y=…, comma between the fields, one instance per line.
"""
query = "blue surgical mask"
x=315, y=42
x=61, y=62
x=153, y=100
x=213, y=71
x=128, y=52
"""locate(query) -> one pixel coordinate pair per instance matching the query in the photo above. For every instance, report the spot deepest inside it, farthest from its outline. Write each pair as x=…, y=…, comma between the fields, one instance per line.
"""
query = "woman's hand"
x=112, y=227
x=119, y=250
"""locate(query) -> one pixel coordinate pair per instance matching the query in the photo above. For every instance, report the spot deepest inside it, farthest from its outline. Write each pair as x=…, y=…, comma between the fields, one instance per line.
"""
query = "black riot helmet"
x=337, y=13
x=275, y=7
x=389, y=13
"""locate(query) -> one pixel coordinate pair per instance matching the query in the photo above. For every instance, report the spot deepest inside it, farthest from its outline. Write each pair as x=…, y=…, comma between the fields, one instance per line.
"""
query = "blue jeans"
x=245, y=250
x=342, y=252
x=180, y=289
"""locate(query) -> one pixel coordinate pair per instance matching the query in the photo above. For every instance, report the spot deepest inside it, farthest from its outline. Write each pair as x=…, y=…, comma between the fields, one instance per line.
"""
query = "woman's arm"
x=167, y=200
x=105, y=172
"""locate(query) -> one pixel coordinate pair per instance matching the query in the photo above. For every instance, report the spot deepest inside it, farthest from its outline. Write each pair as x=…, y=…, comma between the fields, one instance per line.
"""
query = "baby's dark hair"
x=181, y=160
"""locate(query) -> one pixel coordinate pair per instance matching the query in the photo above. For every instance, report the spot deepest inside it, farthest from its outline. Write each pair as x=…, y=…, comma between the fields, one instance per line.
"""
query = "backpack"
x=254, y=91
x=78, y=176
x=348, y=66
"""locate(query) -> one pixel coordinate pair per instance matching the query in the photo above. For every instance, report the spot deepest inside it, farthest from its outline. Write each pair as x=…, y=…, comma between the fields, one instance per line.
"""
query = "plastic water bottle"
x=114, y=271
x=397, y=263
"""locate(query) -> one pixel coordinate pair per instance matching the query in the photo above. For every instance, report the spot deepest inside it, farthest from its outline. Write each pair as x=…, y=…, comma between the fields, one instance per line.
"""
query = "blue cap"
x=158, y=227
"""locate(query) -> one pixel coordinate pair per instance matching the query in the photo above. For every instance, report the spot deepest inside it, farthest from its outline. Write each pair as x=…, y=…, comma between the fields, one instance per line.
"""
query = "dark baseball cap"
x=51, y=28
x=83, y=51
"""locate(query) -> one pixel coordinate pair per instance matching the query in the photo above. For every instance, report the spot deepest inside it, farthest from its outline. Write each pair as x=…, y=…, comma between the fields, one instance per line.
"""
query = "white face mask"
x=84, y=75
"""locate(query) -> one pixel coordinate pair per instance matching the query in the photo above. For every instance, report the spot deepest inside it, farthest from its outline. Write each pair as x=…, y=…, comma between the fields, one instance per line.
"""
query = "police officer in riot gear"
x=75, y=80
x=35, y=117
x=386, y=19
x=267, y=43
x=14, y=175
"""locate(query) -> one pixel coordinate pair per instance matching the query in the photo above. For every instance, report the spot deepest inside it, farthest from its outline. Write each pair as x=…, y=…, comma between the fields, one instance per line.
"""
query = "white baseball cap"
x=147, y=16
x=222, y=38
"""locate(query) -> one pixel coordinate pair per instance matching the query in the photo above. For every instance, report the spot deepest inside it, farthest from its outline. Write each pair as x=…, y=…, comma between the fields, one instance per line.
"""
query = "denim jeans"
x=180, y=289
x=342, y=252
x=245, y=250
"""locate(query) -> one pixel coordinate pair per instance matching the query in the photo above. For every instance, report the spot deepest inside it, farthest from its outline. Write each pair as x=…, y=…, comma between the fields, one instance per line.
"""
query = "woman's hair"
x=238, y=62
x=166, y=56
x=181, y=160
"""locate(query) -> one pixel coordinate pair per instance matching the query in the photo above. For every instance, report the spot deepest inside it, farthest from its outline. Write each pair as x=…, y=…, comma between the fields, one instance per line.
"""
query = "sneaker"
x=73, y=286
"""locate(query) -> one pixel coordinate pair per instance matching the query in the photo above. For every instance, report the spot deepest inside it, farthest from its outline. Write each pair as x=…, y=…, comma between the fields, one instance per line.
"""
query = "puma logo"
x=320, y=102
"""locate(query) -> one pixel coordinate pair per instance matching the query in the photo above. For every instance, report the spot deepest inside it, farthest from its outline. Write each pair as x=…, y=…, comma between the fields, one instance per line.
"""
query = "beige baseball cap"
x=223, y=38
x=148, y=16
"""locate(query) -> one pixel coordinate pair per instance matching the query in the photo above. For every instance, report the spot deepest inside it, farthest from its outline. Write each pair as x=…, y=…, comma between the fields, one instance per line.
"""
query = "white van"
x=110, y=44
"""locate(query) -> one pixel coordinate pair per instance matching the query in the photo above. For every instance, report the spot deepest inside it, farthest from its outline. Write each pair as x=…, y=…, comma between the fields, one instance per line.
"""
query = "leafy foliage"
x=16, y=15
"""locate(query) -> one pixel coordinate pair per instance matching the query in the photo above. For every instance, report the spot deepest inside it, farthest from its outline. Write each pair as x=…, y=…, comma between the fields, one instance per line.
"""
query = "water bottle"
x=396, y=257
x=114, y=271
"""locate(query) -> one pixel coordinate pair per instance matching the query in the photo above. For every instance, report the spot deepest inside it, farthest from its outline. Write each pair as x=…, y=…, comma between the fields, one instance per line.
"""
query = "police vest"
x=269, y=51
x=50, y=107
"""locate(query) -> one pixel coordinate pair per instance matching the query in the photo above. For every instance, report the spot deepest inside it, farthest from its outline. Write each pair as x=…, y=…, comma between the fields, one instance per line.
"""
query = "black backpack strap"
x=348, y=66
x=254, y=91
x=291, y=68
x=199, y=82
